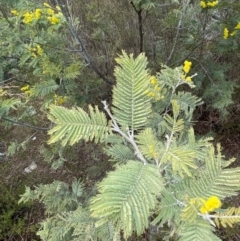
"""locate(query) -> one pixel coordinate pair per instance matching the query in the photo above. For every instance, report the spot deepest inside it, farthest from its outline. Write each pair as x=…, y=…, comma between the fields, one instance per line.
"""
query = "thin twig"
x=175, y=40
x=203, y=68
x=185, y=4
x=24, y=124
x=140, y=26
x=129, y=136
x=79, y=41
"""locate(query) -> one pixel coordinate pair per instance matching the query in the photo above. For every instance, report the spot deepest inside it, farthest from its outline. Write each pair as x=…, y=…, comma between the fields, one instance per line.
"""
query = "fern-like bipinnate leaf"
x=187, y=102
x=80, y=222
x=75, y=124
x=173, y=124
x=44, y=88
x=199, y=230
x=169, y=209
x=228, y=217
x=127, y=197
x=131, y=104
x=54, y=229
x=107, y=232
x=215, y=180
x=120, y=153
x=72, y=71
x=6, y=105
x=148, y=143
x=181, y=159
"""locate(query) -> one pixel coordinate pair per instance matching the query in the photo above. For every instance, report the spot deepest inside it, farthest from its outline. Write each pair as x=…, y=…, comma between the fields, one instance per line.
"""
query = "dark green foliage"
x=13, y=217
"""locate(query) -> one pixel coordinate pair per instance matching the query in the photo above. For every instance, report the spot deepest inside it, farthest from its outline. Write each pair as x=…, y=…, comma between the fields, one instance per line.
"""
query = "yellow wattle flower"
x=38, y=13
x=153, y=80
x=14, y=12
x=203, y=210
x=214, y=202
x=53, y=20
x=203, y=4
x=39, y=50
x=28, y=17
x=50, y=11
x=212, y=4
x=188, y=79
x=58, y=8
x=24, y=88
x=225, y=33
x=208, y=4
x=233, y=33
x=59, y=100
x=46, y=5
x=187, y=66
x=238, y=26
x=211, y=204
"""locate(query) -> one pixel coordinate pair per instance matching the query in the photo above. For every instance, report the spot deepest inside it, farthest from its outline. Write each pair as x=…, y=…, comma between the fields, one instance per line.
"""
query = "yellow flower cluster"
x=154, y=90
x=14, y=12
x=59, y=100
x=47, y=5
x=53, y=18
x=152, y=153
x=38, y=13
x=47, y=12
x=238, y=26
x=226, y=33
x=186, y=68
x=211, y=204
x=208, y=4
x=28, y=17
x=26, y=89
x=36, y=51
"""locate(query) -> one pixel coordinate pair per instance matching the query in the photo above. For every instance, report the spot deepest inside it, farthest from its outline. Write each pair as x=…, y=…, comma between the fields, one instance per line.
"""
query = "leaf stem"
x=129, y=136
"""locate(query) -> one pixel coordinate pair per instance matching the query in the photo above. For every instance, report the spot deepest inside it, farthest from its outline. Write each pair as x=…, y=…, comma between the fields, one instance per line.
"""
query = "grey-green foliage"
x=198, y=230
x=77, y=124
x=67, y=218
x=7, y=105
x=131, y=106
x=60, y=201
x=57, y=196
x=126, y=191
x=44, y=88
x=164, y=173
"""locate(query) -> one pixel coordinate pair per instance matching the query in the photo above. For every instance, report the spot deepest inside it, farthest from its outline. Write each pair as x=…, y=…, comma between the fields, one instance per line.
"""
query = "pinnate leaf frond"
x=75, y=124
x=181, y=159
x=168, y=208
x=131, y=104
x=44, y=88
x=228, y=217
x=213, y=181
x=173, y=124
x=199, y=230
x=148, y=143
x=187, y=102
x=107, y=232
x=120, y=153
x=127, y=197
x=6, y=105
